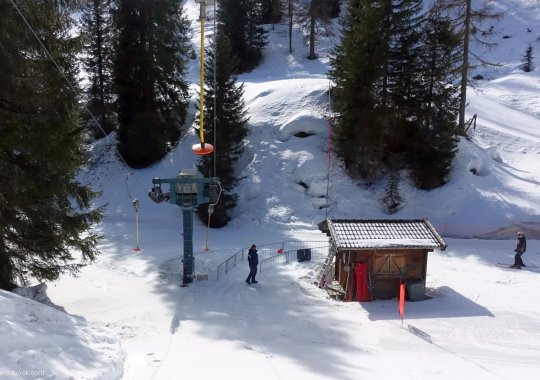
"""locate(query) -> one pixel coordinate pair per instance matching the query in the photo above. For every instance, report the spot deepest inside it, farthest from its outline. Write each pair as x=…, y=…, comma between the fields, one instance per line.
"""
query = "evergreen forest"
x=76, y=71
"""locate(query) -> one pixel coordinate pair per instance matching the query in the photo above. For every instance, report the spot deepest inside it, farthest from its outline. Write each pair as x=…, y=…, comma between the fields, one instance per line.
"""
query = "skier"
x=520, y=250
x=253, y=260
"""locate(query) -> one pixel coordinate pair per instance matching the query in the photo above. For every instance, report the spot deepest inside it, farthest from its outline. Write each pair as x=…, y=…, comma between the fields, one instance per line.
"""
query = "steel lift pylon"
x=189, y=189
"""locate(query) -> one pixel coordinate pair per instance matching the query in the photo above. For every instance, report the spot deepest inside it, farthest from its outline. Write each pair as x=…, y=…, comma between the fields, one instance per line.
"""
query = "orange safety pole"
x=401, y=301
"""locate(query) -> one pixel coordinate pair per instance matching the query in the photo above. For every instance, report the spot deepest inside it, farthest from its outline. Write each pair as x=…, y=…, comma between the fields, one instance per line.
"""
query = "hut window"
x=389, y=264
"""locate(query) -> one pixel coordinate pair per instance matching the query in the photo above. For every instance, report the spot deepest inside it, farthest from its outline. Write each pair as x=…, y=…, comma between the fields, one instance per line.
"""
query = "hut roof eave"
x=382, y=234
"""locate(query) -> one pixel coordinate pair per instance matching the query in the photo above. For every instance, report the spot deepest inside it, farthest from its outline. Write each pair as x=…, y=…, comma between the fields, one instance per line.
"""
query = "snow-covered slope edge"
x=42, y=342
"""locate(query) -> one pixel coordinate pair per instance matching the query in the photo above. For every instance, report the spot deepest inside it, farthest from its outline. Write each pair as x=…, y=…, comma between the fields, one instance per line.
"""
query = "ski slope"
x=129, y=318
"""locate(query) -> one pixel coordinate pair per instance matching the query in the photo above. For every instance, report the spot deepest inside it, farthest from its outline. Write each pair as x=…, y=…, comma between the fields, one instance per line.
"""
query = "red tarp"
x=362, y=291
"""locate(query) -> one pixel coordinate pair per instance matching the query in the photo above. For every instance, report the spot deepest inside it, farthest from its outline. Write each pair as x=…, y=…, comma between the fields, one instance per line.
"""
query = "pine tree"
x=96, y=24
x=150, y=63
x=271, y=11
x=223, y=98
x=386, y=120
x=241, y=21
x=334, y=8
x=44, y=210
x=528, y=60
x=433, y=143
x=314, y=17
x=358, y=65
x=400, y=85
x=392, y=199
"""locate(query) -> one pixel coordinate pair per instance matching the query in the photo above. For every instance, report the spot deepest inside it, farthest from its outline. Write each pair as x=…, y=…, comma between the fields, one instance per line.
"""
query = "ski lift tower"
x=204, y=3
x=189, y=189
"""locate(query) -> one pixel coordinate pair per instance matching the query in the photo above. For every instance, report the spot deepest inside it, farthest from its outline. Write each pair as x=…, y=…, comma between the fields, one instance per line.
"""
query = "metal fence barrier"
x=266, y=251
x=299, y=254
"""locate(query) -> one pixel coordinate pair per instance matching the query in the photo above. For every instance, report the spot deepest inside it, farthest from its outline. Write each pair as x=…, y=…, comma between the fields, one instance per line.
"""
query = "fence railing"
x=265, y=251
x=293, y=255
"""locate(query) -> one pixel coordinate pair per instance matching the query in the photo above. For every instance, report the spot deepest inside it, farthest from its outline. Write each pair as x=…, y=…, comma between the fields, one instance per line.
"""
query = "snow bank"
x=39, y=341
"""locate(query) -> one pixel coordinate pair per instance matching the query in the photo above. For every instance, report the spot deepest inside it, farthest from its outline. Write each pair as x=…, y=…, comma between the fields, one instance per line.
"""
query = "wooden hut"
x=369, y=258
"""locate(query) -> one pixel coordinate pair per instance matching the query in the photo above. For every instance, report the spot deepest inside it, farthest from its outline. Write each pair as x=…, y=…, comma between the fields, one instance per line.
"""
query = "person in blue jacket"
x=253, y=260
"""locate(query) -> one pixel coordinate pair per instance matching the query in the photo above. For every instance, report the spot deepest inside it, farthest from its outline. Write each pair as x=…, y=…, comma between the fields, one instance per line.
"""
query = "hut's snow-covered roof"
x=383, y=234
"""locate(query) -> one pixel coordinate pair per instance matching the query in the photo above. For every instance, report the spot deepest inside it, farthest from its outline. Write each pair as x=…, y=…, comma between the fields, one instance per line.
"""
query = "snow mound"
x=494, y=154
x=37, y=293
x=252, y=186
x=302, y=124
x=40, y=341
x=477, y=166
x=308, y=175
x=278, y=212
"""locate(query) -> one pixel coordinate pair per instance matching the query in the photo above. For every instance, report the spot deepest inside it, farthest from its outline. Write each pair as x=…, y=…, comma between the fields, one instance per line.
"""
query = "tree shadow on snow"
x=278, y=317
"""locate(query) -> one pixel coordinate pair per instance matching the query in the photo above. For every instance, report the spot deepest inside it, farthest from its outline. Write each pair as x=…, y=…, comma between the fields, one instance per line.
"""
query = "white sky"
x=128, y=318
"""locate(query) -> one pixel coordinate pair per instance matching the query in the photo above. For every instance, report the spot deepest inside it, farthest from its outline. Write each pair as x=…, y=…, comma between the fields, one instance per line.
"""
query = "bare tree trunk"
x=464, y=67
x=312, y=54
x=101, y=74
x=290, y=24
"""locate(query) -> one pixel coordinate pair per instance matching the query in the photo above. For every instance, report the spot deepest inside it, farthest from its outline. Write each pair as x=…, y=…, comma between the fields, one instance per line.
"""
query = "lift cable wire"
x=329, y=167
x=135, y=202
x=63, y=75
x=215, y=89
x=211, y=206
x=67, y=80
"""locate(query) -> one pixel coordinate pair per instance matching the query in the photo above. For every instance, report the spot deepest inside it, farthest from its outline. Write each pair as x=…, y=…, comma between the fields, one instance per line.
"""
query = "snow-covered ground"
x=129, y=318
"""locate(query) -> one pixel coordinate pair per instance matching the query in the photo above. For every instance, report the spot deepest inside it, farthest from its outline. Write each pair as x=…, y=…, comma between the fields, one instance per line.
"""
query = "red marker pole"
x=401, y=301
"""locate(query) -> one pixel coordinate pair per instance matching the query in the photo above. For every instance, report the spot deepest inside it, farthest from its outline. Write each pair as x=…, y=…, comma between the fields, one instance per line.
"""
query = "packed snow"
x=127, y=317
